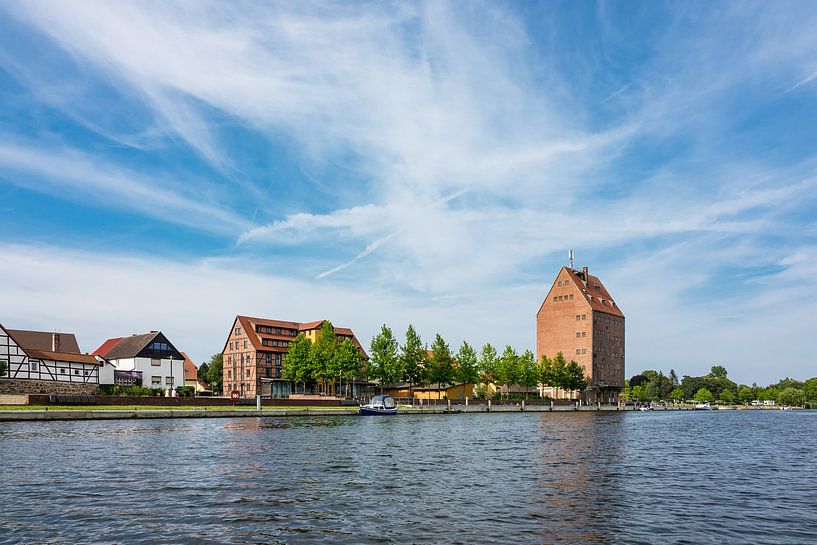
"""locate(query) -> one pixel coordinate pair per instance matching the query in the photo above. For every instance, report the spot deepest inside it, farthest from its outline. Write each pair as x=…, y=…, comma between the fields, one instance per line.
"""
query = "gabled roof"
x=106, y=347
x=130, y=347
x=594, y=293
x=190, y=370
x=44, y=340
x=247, y=322
x=62, y=356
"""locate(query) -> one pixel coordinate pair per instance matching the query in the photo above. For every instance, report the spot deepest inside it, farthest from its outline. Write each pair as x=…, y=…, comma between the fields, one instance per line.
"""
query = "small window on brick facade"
x=578, y=317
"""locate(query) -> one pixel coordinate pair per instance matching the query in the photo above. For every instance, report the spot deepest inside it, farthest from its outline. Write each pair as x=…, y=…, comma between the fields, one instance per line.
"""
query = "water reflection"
x=481, y=478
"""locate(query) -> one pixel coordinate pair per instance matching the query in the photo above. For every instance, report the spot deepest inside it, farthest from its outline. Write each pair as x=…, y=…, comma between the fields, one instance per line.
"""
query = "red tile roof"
x=62, y=356
x=595, y=293
x=190, y=370
x=248, y=324
x=106, y=347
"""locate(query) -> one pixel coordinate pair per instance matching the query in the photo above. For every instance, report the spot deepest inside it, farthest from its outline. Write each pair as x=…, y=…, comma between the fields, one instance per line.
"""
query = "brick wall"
x=47, y=387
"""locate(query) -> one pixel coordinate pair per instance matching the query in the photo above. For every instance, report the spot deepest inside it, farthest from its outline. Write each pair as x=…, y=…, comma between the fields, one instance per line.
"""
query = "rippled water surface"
x=689, y=477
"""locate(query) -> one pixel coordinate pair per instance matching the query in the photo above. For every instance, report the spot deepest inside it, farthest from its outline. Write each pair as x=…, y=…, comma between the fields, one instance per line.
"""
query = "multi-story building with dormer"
x=580, y=319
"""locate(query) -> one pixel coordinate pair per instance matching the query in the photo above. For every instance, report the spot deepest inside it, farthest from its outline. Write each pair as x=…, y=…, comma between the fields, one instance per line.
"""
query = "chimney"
x=55, y=342
x=584, y=273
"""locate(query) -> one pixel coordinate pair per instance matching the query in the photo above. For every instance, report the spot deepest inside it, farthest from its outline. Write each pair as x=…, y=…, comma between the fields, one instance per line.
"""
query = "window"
x=268, y=357
x=578, y=352
x=169, y=380
x=584, y=316
x=238, y=331
x=231, y=345
x=155, y=362
x=584, y=333
x=156, y=382
x=571, y=296
x=33, y=364
x=76, y=371
x=277, y=359
x=555, y=298
x=248, y=372
x=584, y=351
x=229, y=374
x=578, y=334
x=63, y=371
x=578, y=317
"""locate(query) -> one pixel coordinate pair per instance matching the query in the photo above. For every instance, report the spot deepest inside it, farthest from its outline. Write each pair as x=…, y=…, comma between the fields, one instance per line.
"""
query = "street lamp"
x=172, y=391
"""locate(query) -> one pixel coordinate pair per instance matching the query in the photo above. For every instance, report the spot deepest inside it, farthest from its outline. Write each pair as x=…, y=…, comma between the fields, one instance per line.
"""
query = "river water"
x=674, y=477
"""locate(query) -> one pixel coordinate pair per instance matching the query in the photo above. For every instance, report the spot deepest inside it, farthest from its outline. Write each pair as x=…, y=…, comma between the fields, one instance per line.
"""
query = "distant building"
x=46, y=356
x=253, y=355
x=148, y=357
x=580, y=319
x=191, y=375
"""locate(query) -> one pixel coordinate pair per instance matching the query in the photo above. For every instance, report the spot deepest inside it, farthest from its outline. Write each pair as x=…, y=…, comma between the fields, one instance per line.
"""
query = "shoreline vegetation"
x=652, y=386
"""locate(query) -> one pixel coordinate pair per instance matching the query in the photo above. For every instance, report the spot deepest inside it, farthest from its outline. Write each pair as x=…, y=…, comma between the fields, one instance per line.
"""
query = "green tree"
x=676, y=394
x=745, y=395
x=639, y=394
x=2, y=368
x=215, y=373
x=727, y=395
x=546, y=371
x=718, y=371
x=651, y=390
x=298, y=361
x=810, y=389
x=487, y=363
x=508, y=368
x=467, y=364
x=412, y=359
x=792, y=397
x=322, y=355
x=527, y=372
x=768, y=394
x=440, y=364
x=385, y=363
x=575, y=380
x=673, y=378
x=703, y=396
x=559, y=372
x=347, y=361
x=201, y=371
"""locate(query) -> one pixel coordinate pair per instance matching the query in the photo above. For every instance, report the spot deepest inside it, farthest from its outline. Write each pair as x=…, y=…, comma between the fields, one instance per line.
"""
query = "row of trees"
x=326, y=361
x=323, y=362
x=716, y=386
x=414, y=363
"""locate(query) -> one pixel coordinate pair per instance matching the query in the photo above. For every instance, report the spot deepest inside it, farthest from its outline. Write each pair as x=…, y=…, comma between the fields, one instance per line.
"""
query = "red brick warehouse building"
x=580, y=319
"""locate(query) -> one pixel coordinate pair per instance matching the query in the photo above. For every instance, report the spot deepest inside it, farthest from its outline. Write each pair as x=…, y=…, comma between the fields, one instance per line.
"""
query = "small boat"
x=703, y=407
x=382, y=404
x=645, y=408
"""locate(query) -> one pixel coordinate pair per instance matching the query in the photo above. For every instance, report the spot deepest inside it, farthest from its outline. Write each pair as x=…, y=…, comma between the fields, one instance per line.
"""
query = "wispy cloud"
x=77, y=176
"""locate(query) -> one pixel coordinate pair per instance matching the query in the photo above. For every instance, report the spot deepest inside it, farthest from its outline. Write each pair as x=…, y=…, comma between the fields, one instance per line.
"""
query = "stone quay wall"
x=46, y=387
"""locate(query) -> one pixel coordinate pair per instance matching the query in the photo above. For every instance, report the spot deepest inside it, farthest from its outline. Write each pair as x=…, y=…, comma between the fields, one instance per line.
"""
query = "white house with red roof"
x=147, y=357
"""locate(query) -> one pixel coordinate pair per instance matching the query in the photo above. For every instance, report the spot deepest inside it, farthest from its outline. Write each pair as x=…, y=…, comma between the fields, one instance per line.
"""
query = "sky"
x=168, y=165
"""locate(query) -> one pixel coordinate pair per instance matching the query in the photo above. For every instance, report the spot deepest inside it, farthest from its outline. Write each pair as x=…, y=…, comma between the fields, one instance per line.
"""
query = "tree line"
x=415, y=364
x=653, y=385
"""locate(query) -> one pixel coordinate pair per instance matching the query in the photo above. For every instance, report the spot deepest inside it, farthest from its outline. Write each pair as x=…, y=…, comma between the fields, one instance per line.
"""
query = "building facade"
x=40, y=355
x=148, y=357
x=580, y=319
x=255, y=350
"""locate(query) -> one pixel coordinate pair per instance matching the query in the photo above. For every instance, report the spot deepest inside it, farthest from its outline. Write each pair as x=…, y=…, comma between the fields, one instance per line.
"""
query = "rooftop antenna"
x=570, y=257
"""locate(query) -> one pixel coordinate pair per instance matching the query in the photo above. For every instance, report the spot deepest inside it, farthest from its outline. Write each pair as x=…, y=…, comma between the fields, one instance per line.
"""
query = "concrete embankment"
x=119, y=414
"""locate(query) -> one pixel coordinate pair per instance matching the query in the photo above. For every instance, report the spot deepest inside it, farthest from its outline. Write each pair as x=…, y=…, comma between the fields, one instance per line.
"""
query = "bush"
x=186, y=391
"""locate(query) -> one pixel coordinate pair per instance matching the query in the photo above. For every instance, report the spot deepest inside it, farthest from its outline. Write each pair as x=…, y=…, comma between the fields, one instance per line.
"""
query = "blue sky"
x=169, y=165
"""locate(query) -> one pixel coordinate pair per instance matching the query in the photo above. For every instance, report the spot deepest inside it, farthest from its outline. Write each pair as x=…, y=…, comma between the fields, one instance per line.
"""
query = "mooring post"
x=489, y=405
x=523, y=404
x=551, y=405
x=449, y=405
x=257, y=403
